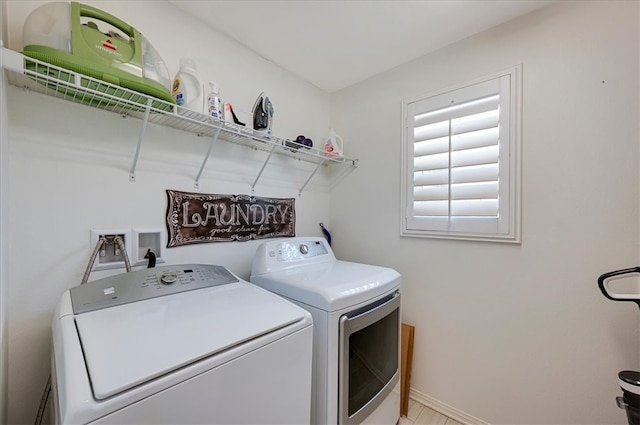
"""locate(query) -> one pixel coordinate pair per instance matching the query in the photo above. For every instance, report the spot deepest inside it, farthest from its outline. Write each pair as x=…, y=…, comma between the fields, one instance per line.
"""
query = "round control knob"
x=168, y=277
x=304, y=249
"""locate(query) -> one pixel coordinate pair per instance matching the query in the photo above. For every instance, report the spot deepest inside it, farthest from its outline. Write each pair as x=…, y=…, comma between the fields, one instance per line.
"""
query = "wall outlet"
x=143, y=241
x=110, y=255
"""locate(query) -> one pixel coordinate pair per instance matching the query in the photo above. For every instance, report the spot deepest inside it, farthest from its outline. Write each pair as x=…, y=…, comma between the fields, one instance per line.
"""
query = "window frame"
x=509, y=220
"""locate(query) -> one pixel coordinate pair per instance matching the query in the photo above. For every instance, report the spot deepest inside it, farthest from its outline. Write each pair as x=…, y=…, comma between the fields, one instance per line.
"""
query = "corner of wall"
x=4, y=217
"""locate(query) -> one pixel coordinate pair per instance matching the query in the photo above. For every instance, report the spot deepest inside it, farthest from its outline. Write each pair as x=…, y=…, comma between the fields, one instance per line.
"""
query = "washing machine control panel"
x=145, y=284
x=299, y=250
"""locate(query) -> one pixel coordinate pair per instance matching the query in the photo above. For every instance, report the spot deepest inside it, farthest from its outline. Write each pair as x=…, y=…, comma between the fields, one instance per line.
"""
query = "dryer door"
x=369, y=351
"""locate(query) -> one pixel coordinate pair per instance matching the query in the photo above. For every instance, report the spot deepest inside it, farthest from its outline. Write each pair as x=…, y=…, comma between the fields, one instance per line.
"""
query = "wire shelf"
x=79, y=88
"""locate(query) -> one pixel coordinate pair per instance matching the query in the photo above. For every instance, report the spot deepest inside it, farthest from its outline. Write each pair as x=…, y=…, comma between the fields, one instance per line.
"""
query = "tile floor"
x=422, y=415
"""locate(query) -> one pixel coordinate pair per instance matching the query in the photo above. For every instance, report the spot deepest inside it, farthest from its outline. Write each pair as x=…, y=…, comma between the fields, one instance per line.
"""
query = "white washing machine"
x=187, y=344
x=356, y=315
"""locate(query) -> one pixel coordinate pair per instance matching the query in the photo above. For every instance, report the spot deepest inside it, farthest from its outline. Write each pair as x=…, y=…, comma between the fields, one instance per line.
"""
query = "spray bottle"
x=215, y=107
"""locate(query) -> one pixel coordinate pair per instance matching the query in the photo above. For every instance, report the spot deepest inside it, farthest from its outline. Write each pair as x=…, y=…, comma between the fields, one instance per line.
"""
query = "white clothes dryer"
x=187, y=344
x=356, y=315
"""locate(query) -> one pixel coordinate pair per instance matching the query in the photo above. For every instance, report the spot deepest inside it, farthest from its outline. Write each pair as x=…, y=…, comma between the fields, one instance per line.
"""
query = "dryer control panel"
x=285, y=254
x=145, y=284
x=298, y=250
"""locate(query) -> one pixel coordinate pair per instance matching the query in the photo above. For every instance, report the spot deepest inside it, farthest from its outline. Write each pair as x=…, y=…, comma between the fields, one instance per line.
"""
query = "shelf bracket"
x=253, y=186
x=206, y=158
x=145, y=121
x=311, y=176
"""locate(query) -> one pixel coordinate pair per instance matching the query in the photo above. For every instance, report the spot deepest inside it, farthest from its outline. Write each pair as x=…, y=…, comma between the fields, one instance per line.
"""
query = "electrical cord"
x=85, y=278
x=327, y=235
x=43, y=401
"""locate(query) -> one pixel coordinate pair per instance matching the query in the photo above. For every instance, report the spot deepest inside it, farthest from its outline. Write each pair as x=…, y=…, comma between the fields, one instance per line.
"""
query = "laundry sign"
x=200, y=218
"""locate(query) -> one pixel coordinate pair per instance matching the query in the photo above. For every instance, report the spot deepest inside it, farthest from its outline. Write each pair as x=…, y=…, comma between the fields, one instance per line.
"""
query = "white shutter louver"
x=457, y=160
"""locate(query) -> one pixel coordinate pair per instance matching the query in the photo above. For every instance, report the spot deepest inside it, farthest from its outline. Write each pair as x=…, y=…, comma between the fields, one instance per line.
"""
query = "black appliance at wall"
x=629, y=380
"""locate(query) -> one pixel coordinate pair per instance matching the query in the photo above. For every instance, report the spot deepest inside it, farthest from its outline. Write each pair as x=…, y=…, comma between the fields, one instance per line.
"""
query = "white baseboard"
x=445, y=409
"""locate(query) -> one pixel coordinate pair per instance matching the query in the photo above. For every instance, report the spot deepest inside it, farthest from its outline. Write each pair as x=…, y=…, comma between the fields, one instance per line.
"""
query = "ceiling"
x=334, y=44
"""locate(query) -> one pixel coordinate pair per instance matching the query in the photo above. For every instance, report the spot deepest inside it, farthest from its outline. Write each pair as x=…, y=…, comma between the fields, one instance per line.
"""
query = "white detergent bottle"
x=187, y=89
x=215, y=107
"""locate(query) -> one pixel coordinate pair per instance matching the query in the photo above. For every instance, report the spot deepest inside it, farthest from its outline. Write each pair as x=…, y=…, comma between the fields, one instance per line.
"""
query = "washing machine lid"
x=130, y=344
x=331, y=286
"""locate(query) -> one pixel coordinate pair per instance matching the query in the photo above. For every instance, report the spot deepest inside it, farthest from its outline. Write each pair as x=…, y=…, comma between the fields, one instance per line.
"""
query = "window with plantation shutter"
x=461, y=162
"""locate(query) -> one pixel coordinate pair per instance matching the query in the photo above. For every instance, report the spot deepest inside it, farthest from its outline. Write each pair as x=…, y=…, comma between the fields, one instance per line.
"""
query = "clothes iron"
x=262, y=114
x=86, y=40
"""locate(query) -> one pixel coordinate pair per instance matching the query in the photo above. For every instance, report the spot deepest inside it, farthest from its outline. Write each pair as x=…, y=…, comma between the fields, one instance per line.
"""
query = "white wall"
x=69, y=173
x=516, y=333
